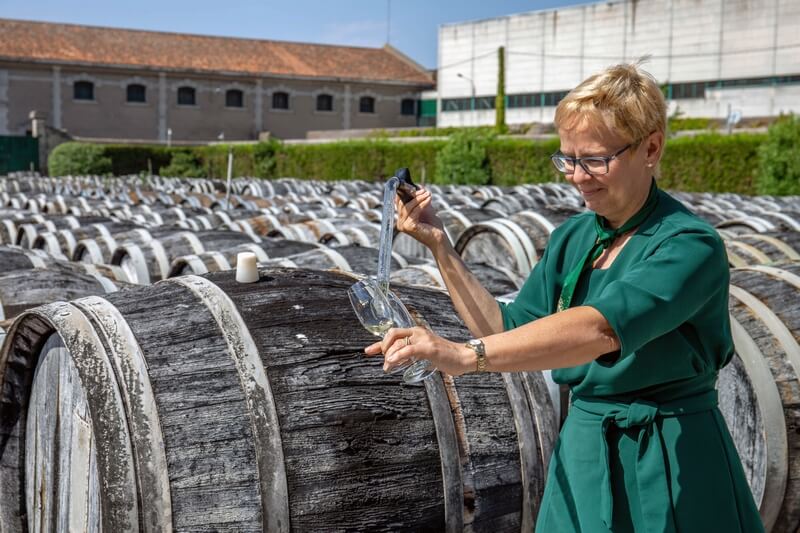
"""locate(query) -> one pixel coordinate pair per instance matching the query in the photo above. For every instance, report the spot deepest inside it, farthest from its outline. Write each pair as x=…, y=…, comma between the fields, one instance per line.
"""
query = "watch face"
x=474, y=342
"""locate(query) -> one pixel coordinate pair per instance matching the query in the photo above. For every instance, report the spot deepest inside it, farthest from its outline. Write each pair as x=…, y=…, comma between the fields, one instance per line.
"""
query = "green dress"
x=644, y=447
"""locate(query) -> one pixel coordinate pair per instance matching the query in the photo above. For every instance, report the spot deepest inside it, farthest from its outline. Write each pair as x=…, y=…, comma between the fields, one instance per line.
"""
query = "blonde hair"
x=624, y=98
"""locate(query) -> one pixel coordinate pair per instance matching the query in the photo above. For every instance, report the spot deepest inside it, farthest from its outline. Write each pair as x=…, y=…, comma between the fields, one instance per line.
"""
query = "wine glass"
x=378, y=312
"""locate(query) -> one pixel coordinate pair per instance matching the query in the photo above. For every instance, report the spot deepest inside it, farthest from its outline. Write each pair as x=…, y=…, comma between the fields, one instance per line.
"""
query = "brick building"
x=130, y=84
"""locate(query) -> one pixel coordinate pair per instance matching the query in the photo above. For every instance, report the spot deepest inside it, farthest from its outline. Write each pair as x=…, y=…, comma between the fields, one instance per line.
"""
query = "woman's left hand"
x=450, y=357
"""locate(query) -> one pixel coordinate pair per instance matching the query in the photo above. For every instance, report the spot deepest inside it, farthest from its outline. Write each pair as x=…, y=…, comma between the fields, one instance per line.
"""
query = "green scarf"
x=605, y=236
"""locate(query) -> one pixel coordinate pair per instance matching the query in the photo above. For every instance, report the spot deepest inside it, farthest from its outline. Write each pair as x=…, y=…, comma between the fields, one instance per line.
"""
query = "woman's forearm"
x=474, y=304
x=570, y=338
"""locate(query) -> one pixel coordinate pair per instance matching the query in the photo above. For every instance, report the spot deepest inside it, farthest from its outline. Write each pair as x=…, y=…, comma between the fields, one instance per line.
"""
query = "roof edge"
x=407, y=60
x=189, y=34
x=222, y=73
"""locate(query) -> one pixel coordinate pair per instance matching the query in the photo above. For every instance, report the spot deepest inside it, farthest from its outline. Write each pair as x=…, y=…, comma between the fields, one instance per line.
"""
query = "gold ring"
x=408, y=341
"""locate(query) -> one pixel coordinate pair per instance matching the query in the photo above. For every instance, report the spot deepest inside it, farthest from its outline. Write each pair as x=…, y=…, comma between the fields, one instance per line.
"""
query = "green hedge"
x=132, y=159
x=514, y=161
x=362, y=159
x=712, y=162
x=779, y=158
x=709, y=162
x=78, y=158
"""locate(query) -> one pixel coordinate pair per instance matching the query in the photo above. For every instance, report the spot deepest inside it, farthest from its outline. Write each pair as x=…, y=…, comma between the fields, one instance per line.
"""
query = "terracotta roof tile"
x=42, y=41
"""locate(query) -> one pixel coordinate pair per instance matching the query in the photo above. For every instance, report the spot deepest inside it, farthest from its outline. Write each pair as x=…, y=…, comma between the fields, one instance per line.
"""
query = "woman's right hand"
x=418, y=219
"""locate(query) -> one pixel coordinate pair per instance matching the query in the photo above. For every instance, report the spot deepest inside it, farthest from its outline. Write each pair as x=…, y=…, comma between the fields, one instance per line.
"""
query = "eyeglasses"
x=594, y=165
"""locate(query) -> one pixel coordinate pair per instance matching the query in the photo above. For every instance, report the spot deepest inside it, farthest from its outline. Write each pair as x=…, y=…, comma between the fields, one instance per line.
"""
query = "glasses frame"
x=580, y=161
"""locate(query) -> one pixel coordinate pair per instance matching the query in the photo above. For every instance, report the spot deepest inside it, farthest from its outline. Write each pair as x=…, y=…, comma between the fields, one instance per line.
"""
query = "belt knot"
x=638, y=413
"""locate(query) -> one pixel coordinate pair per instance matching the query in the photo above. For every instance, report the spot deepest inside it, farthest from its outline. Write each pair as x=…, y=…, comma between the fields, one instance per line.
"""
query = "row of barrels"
x=32, y=277
x=200, y=403
x=536, y=224
x=764, y=210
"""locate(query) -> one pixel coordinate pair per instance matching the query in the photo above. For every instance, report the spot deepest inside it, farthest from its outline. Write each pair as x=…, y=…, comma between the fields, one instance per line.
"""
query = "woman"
x=629, y=306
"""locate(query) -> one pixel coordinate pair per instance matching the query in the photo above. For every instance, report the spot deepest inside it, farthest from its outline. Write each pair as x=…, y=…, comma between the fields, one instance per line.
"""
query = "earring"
x=649, y=165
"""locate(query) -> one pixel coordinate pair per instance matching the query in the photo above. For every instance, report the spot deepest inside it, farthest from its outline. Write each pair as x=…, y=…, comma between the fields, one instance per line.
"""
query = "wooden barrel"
x=27, y=232
x=225, y=258
x=67, y=239
x=765, y=419
x=539, y=223
x=9, y=224
x=497, y=280
x=350, y=231
x=455, y=221
x=310, y=231
x=24, y=289
x=100, y=249
x=746, y=224
x=17, y=258
x=499, y=242
x=261, y=224
x=201, y=263
x=763, y=248
x=322, y=258
x=149, y=262
x=203, y=404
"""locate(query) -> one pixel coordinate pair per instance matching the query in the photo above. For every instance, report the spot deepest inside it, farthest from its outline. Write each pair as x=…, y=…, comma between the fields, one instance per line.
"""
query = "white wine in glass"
x=380, y=329
x=378, y=312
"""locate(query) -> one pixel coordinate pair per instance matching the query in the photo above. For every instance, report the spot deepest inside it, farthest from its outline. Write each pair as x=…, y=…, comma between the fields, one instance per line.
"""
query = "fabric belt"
x=651, y=464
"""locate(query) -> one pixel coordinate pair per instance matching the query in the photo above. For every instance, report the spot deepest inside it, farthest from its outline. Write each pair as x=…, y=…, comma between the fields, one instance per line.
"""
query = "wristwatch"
x=480, y=351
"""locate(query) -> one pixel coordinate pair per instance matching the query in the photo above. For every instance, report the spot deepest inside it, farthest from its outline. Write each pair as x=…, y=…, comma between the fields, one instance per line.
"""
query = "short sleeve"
x=532, y=302
x=666, y=289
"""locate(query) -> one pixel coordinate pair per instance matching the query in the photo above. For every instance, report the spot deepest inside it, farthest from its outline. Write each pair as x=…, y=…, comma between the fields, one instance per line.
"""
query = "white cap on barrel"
x=246, y=270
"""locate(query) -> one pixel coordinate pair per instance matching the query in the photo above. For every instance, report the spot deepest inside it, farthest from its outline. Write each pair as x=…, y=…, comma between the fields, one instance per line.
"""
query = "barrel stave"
x=211, y=464
x=344, y=423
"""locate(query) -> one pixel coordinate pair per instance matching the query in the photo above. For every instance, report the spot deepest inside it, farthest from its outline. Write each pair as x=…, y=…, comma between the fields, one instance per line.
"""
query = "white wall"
x=688, y=40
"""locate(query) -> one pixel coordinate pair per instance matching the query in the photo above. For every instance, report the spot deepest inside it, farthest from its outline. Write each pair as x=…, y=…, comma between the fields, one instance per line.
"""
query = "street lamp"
x=472, y=99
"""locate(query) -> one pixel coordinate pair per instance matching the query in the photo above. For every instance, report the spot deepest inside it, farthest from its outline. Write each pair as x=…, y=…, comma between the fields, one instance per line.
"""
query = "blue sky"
x=414, y=23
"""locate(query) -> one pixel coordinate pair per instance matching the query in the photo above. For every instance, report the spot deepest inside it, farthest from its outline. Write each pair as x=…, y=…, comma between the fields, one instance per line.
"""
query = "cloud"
x=357, y=33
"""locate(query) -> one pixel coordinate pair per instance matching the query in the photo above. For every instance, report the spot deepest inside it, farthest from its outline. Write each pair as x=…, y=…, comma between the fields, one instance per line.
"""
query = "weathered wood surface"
x=767, y=306
x=16, y=258
x=498, y=281
x=361, y=451
x=777, y=247
x=457, y=221
x=198, y=264
x=353, y=231
x=267, y=251
x=499, y=243
x=61, y=484
x=397, y=405
x=539, y=223
x=25, y=289
x=322, y=258
x=364, y=260
x=217, y=240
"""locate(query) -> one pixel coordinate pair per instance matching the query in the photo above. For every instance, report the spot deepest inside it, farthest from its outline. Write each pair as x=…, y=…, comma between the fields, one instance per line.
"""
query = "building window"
x=234, y=98
x=83, y=90
x=137, y=93
x=408, y=106
x=280, y=100
x=366, y=104
x=186, y=96
x=456, y=104
x=689, y=90
x=324, y=102
x=485, y=102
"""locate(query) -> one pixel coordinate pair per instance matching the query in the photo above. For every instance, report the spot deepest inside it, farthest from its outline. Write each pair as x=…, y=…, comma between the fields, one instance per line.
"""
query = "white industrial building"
x=713, y=57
